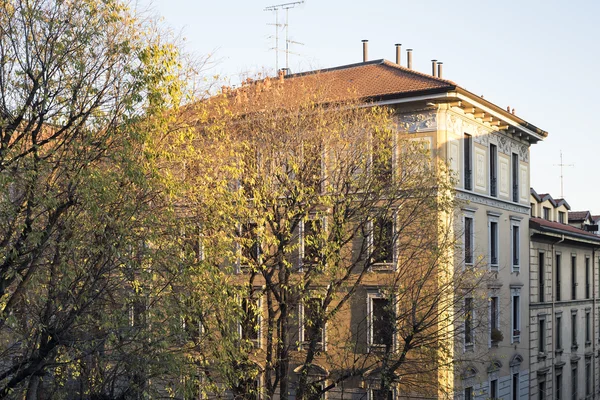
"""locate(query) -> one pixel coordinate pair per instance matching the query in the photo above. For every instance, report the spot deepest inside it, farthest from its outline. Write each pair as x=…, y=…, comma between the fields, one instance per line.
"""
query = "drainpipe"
x=553, y=318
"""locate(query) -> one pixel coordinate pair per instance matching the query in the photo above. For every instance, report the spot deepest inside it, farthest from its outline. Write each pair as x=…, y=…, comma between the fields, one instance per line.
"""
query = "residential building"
x=563, y=313
x=584, y=220
x=486, y=148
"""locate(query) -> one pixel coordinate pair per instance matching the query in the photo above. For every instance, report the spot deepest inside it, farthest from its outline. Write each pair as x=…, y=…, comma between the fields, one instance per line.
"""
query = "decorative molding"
x=480, y=170
x=491, y=202
x=503, y=175
x=417, y=122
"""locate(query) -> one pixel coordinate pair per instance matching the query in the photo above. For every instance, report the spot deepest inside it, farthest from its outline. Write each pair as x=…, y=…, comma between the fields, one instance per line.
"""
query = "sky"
x=538, y=56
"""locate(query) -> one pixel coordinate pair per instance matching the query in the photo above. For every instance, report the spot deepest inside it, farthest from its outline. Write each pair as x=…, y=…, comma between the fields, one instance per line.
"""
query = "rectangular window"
x=558, y=388
x=547, y=213
x=312, y=242
x=493, y=170
x=379, y=394
x=469, y=240
x=515, y=247
x=558, y=275
x=515, y=177
x=558, y=341
x=561, y=217
x=515, y=386
x=494, y=244
x=588, y=378
x=574, y=382
x=573, y=278
x=541, y=390
x=382, y=252
x=516, y=317
x=382, y=158
x=494, y=389
x=469, y=393
x=542, y=336
x=588, y=329
x=311, y=320
x=494, y=319
x=468, y=321
x=250, y=325
x=468, y=162
x=587, y=278
x=541, y=276
x=574, y=330
x=381, y=322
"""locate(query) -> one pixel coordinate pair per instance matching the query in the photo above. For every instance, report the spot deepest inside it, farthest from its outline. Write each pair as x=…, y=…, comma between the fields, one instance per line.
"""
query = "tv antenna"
x=276, y=8
x=561, y=165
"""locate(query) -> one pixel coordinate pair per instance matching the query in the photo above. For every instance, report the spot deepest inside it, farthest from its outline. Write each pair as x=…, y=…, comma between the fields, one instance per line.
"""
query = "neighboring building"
x=584, y=220
x=563, y=313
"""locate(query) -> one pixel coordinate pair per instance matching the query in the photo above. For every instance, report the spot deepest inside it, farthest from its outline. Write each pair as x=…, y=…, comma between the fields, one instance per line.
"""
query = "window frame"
x=370, y=326
x=321, y=345
x=386, y=265
x=515, y=315
x=493, y=165
x=515, y=245
x=494, y=241
x=467, y=162
x=469, y=239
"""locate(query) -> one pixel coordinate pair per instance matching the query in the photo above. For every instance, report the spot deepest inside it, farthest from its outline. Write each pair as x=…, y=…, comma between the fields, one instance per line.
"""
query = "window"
x=542, y=335
x=574, y=382
x=515, y=386
x=516, y=316
x=469, y=240
x=574, y=329
x=573, y=277
x=380, y=322
x=515, y=247
x=561, y=217
x=515, y=177
x=383, y=242
x=588, y=377
x=531, y=210
x=558, y=341
x=468, y=162
x=547, y=213
x=588, y=329
x=382, y=158
x=541, y=276
x=494, y=245
x=468, y=321
x=558, y=275
x=249, y=244
x=312, y=242
x=493, y=389
x=493, y=170
x=469, y=393
x=587, y=277
x=494, y=319
x=310, y=315
x=380, y=394
x=541, y=390
x=558, y=387
x=251, y=320
x=312, y=171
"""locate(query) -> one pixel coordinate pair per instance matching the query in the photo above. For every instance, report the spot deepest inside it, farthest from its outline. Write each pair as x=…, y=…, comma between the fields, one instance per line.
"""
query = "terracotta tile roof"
x=546, y=196
x=376, y=78
x=578, y=215
x=545, y=225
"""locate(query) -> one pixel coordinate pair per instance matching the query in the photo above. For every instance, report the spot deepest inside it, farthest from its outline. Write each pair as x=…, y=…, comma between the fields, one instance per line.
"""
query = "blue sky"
x=539, y=56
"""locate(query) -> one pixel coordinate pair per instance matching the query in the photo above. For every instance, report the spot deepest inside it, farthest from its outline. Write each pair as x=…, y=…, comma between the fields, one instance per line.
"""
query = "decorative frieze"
x=424, y=121
x=491, y=202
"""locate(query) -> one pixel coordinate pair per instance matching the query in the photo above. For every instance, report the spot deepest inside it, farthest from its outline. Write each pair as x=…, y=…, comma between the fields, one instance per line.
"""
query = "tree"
x=83, y=206
x=306, y=199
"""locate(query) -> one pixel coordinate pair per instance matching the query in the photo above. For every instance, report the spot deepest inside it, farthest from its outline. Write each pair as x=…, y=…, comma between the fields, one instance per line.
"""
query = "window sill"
x=541, y=356
x=574, y=347
x=588, y=343
x=558, y=352
x=516, y=339
x=469, y=347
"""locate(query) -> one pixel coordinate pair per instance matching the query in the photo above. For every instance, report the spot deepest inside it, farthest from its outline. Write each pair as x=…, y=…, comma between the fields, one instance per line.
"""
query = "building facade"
x=563, y=320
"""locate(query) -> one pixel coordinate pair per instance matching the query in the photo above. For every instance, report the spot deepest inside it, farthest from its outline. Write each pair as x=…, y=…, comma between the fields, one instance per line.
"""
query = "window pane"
x=382, y=322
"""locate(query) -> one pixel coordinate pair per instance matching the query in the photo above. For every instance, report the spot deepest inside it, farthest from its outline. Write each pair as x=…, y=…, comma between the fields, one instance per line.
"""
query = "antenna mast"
x=561, y=165
x=276, y=8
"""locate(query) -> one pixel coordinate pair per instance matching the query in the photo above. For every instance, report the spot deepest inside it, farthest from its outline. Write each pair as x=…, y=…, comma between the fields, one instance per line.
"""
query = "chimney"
x=365, y=43
x=398, y=50
x=440, y=69
x=409, y=58
x=433, y=67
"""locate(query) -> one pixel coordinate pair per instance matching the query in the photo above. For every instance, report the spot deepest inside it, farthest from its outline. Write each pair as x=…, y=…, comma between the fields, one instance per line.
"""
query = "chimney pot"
x=365, y=43
x=409, y=58
x=440, y=69
x=398, y=52
x=434, y=67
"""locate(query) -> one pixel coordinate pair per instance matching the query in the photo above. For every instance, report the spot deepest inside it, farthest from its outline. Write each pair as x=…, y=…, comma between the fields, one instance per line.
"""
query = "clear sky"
x=539, y=56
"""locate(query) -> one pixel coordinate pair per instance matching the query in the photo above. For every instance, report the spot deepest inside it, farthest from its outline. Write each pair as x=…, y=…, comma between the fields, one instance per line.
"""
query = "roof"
x=378, y=78
x=576, y=216
x=383, y=80
x=543, y=225
x=546, y=196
